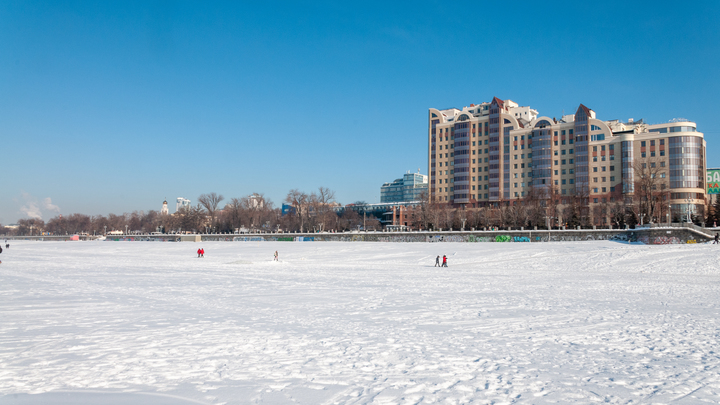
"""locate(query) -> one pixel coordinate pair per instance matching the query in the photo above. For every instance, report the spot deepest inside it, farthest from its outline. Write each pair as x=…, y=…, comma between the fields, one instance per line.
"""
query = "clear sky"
x=111, y=107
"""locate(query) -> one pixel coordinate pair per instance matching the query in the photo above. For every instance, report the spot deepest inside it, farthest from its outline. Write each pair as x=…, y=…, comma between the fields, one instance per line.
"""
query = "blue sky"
x=112, y=107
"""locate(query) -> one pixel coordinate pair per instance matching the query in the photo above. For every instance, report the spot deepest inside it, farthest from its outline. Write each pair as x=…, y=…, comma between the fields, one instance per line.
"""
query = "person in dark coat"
x=717, y=237
x=437, y=261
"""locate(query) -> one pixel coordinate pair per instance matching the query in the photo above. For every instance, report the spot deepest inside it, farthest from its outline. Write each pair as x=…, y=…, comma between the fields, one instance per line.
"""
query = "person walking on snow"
x=717, y=237
x=437, y=262
x=202, y=252
x=444, y=261
x=276, y=256
x=199, y=252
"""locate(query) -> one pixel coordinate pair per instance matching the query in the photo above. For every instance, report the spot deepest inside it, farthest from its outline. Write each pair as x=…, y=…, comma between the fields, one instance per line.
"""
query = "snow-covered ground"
x=356, y=323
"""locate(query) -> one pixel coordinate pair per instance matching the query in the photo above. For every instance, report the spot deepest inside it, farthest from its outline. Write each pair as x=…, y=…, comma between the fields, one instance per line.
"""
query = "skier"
x=437, y=262
x=276, y=256
x=444, y=261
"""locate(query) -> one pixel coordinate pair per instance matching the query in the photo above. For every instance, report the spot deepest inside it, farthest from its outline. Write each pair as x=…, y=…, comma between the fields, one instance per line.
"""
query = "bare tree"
x=300, y=202
x=649, y=189
x=211, y=202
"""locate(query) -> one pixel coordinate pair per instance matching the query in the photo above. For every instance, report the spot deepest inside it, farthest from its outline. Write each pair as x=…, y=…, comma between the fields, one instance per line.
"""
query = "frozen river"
x=357, y=323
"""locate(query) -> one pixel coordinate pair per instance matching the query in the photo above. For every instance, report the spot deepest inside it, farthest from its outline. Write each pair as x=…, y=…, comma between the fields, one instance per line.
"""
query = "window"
x=652, y=143
x=595, y=190
x=563, y=161
x=594, y=179
x=571, y=161
x=662, y=164
x=652, y=153
x=556, y=152
x=662, y=175
x=604, y=190
x=556, y=182
x=556, y=143
x=595, y=169
x=642, y=144
x=642, y=154
x=563, y=181
x=594, y=148
x=563, y=152
x=570, y=152
x=662, y=153
x=612, y=178
x=603, y=179
x=563, y=171
x=556, y=163
x=595, y=200
x=612, y=168
x=556, y=172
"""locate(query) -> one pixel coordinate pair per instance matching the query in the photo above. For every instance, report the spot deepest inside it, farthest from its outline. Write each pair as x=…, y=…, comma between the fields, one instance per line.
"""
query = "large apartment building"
x=499, y=151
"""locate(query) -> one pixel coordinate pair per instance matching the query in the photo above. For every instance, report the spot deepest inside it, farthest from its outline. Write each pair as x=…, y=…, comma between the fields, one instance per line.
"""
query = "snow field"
x=360, y=323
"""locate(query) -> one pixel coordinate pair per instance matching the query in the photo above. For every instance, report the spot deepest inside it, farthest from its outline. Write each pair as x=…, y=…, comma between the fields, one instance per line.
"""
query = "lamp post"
x=668, y=214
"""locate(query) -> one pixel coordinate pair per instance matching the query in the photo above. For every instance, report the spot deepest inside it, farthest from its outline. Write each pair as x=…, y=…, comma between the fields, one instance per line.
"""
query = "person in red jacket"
x=200, y=252
x=444, y=261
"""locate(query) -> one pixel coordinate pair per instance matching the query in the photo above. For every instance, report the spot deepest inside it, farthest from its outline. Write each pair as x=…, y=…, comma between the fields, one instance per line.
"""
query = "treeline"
x=316, y=211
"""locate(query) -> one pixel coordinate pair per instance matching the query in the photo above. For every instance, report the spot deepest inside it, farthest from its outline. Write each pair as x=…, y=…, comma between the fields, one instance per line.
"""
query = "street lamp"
x=668, y=214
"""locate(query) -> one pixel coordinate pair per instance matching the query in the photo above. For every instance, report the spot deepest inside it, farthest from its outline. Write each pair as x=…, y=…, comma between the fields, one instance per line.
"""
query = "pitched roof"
x=587, y=110
x=497, y=101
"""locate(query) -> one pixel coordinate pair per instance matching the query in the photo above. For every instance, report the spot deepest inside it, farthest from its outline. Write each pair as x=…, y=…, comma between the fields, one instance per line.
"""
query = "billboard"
x=713, y=181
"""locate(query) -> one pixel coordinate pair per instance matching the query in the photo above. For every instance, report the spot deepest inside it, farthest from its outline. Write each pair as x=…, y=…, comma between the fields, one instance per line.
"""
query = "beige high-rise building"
x=501, y=153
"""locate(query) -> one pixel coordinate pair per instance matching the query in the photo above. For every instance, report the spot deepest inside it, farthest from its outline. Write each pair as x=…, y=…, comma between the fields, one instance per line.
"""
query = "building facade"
x=500, y=152
x=409, y=188
x=181, y=202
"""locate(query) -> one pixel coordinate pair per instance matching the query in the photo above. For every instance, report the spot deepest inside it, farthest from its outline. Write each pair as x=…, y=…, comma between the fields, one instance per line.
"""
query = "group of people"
x=444, y=261
x=201, y=253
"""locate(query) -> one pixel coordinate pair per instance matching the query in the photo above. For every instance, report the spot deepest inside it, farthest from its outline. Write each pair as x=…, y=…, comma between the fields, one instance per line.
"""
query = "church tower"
x=164, y=208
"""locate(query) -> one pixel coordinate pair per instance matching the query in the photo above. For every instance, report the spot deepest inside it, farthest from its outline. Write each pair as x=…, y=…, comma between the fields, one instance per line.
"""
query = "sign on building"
x=713, y=181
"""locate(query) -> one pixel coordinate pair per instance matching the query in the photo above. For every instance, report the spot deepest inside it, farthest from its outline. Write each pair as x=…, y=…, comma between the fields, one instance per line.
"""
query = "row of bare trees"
x=315, y=211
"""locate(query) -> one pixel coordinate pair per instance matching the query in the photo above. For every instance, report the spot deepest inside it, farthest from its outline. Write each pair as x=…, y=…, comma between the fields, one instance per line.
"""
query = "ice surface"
x=356, y=323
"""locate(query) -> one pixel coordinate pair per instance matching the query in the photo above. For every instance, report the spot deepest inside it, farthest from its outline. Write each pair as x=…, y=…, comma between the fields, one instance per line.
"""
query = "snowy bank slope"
x=357, y=323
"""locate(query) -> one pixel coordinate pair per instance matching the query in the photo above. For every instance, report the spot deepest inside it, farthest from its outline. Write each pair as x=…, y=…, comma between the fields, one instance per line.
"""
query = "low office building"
x=498, y=152
x=411, y=187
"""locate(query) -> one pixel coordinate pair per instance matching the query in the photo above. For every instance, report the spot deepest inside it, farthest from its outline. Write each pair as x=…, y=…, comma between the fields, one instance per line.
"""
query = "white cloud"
x=49, y=206
x=32, y=209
